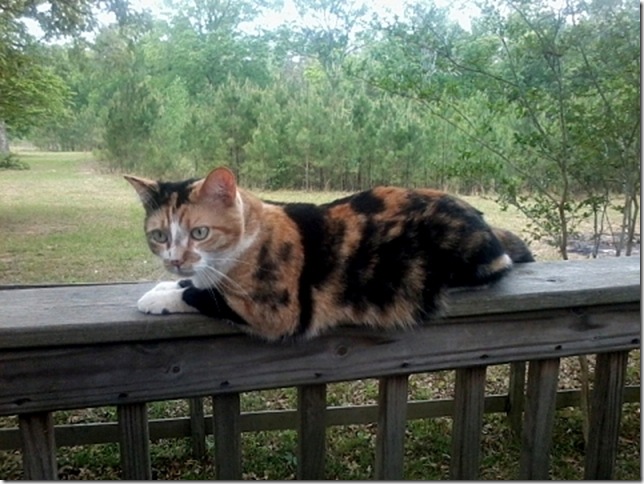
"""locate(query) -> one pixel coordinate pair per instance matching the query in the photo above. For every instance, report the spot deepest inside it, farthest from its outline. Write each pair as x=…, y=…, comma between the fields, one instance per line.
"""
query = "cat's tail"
x=514, y=245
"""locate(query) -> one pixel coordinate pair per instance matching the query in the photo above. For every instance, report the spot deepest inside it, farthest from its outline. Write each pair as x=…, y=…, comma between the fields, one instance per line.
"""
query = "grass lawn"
x=66, y=221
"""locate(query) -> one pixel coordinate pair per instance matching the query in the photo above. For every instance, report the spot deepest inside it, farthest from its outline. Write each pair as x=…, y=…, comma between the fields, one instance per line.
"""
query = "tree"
x=530, y=61
x=31, y=93
x=333, y=35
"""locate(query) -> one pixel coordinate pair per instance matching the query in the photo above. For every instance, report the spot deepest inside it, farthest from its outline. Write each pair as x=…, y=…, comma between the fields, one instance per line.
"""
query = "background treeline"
x=537, y=102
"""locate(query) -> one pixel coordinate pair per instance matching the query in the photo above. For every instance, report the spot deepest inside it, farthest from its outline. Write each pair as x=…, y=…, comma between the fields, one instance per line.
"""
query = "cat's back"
x=383, y=255
x=393, y=223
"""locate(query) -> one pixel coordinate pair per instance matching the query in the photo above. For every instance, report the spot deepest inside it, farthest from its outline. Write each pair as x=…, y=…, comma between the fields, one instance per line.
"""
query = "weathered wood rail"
x=84, y=346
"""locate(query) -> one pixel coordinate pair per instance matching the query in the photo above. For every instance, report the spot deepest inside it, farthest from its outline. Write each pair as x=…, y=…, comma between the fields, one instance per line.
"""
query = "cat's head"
x=195, y=226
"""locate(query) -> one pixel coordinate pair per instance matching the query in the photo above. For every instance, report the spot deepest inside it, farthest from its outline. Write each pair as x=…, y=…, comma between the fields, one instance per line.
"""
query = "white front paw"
x=166, y=286
x=164, y=298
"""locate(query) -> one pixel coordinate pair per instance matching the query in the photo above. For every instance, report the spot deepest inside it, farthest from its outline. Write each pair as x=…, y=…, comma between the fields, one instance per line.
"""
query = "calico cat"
x=380, y=257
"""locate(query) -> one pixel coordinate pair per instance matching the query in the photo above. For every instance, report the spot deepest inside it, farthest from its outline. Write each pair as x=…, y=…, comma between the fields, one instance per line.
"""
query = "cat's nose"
x=176, y=263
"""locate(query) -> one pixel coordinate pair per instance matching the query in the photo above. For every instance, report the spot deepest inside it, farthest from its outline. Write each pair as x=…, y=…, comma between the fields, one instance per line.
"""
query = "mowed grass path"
x=65, y=221
x=62, y=221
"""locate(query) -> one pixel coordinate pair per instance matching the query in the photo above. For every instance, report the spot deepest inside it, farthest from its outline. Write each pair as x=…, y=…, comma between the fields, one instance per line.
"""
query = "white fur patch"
x=164, y=298
x=500, y=263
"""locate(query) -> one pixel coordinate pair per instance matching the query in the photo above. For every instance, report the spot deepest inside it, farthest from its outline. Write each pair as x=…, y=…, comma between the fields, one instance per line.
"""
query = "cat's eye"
x=158, y=236
x=199, y=233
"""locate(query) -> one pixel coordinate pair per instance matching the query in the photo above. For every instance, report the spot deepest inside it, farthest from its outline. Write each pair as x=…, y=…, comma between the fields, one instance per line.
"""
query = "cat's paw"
x=164, y=298
x=166, y=286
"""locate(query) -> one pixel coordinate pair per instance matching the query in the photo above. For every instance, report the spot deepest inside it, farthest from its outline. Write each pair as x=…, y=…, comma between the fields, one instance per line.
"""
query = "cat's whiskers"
x=222, y=281
x=227, y=261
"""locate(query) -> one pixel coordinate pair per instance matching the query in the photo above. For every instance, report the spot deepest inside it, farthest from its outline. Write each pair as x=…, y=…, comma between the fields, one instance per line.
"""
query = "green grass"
x=66, y=221
x=63, y=221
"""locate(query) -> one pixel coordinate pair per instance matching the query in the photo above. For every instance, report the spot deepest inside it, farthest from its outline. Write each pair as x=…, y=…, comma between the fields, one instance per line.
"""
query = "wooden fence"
x=84, y=346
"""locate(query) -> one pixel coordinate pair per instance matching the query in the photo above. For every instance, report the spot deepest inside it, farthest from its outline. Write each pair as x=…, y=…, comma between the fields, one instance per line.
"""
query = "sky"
x=386, y=8
x=462, y=12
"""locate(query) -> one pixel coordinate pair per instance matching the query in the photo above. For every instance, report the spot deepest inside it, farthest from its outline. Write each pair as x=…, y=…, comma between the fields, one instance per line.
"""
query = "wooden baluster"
x=469, y=405
x=516, y=397
x=605, y=415
x=227, y=433
x=540, y=405
x=134, y=441
x=392, y=420
x=38, y=446
x=197, y=427
x=311, y=448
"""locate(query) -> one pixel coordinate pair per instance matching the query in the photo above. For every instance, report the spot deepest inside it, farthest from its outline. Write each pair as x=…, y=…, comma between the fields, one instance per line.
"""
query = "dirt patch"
x=584, y=245
x=34, y=228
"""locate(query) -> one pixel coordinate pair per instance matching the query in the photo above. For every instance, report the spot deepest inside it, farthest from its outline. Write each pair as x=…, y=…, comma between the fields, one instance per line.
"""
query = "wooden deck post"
x=605, y=415
x=197, y=427
x=536, y=437
x=227, y=433
x=469, y=404
x=311, y=444
x=392, y=420
x=134, y=441
x=516, y=397
x=38, y=446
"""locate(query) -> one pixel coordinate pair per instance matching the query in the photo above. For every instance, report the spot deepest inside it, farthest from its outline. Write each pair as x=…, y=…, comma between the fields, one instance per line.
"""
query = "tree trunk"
x=4, y=139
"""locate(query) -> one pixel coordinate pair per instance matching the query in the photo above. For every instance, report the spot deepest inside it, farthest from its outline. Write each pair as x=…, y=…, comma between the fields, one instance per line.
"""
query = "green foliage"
x=131, y=118
x=11, y=161
x=32, y=93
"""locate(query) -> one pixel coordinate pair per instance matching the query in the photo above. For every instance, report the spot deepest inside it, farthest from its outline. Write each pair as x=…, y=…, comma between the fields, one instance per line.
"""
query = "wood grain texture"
x=70, y=315
x=111, y=374
x=392, y=422
x=134, y=441
x=536, y=439
x=227, y=434
x=605, y=415
x=469, y=406
x=311, y=443
x=197, y=427
x=516, y=397
x=38, y=446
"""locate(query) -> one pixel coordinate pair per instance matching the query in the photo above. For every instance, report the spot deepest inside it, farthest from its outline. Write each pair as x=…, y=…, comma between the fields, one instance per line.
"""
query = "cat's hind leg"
x=481, y=274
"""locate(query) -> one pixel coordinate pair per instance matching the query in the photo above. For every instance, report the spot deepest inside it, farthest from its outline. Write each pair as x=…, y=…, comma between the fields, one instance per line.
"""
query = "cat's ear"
x=144, y=187
x=220, y=184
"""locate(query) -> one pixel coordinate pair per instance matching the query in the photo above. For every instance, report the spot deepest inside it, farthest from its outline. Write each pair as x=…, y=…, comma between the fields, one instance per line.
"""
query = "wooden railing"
x=85, y=346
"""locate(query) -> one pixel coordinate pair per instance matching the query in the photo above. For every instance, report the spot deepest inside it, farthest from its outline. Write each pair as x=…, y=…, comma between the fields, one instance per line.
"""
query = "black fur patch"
x=209, y=302
x=162, y=195
x=266, y=267
x=273, y=298
x=451, y=258
x=377, y=270
x=367, y=203
x=416, y=203
x=523, y=257
x=364, y=202
x=318, y=242
x=267, y=276
x=285, y=252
